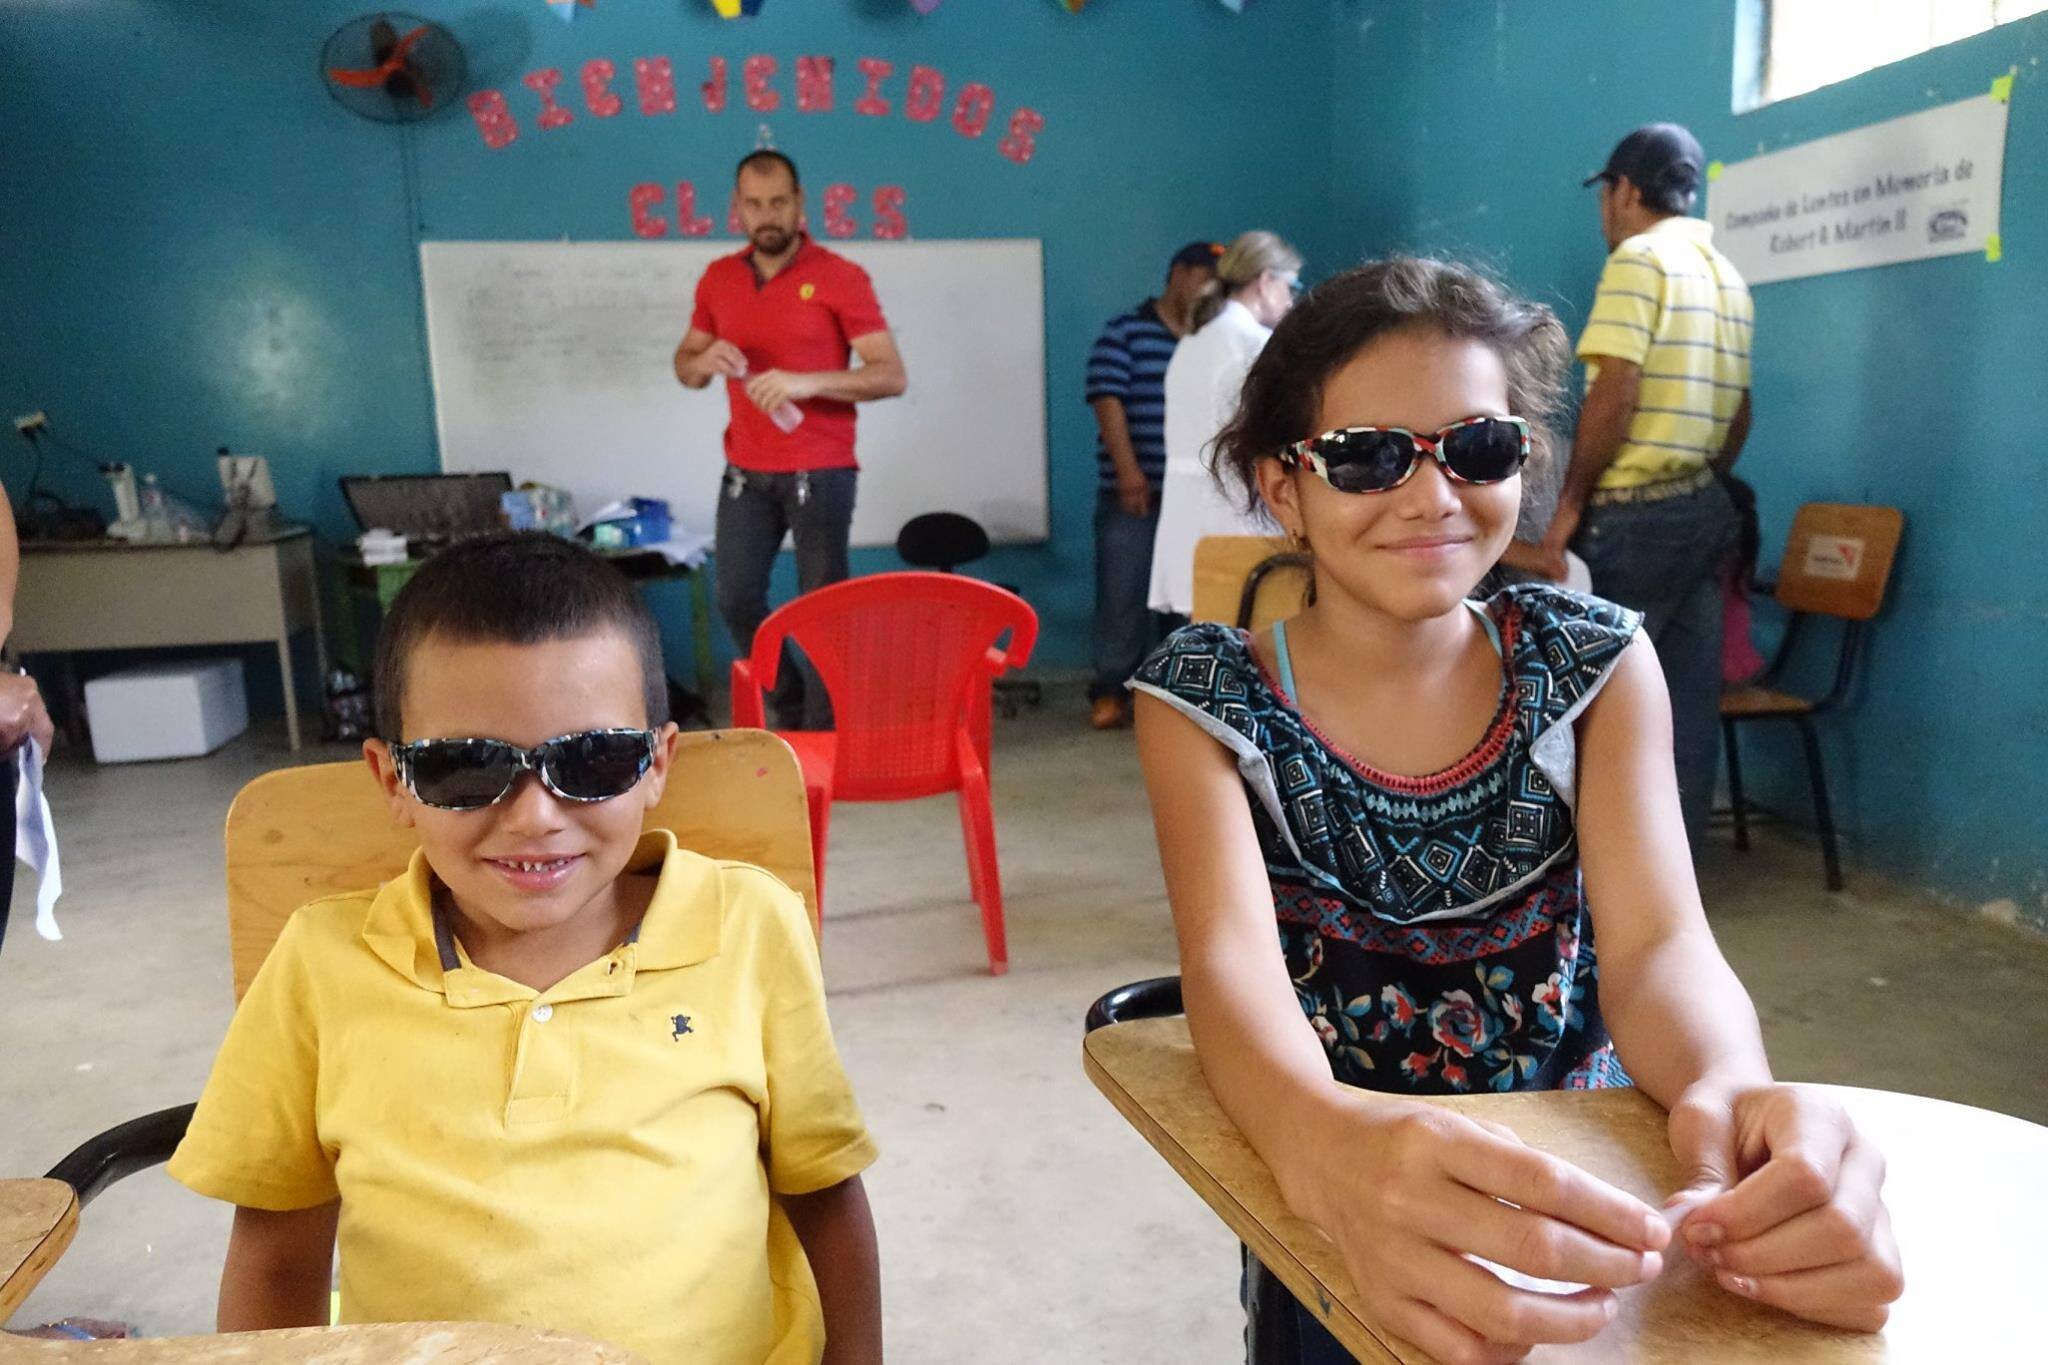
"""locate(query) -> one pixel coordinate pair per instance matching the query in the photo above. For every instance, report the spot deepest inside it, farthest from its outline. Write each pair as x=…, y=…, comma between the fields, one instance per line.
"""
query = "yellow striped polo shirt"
x=1672, y=304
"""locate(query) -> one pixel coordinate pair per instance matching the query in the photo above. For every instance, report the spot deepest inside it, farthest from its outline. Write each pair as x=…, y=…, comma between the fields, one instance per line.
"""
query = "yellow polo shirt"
x=596, y=1158
x=1671, y=303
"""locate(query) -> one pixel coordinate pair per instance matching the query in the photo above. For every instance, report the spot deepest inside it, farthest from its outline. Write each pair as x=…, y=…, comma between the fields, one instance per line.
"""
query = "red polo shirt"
x=803, y=320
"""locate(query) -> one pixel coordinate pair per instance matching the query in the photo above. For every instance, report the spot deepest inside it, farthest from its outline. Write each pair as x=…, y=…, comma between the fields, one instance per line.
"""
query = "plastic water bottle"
x=156, y=512
x=786, y=416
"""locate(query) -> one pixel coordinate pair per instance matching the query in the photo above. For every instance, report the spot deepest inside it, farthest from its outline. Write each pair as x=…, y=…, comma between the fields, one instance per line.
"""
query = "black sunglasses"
x=1379, y=459
x=469, y=774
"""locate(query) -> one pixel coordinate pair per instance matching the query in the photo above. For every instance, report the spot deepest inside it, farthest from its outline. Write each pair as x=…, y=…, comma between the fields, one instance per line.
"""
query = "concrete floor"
x=1020, y=1219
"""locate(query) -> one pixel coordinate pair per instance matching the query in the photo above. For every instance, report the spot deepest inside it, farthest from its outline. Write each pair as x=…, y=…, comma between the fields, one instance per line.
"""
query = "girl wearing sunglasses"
x=1393, y=828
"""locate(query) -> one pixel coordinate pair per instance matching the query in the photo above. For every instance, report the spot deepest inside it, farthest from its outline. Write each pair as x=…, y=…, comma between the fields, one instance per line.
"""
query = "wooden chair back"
x=1224, y=564
x=301, y=833
x=1838, y=559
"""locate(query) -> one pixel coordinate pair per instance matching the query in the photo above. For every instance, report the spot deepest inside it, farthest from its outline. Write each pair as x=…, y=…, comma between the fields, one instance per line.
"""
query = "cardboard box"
x=167, y=710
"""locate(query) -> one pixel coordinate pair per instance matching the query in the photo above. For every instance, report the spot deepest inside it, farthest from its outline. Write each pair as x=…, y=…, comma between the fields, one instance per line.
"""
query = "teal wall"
x=201, y=249
x=1465, y=127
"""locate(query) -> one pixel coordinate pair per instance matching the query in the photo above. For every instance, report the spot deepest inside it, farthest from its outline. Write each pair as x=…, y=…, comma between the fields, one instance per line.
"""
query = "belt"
x=1679, y=487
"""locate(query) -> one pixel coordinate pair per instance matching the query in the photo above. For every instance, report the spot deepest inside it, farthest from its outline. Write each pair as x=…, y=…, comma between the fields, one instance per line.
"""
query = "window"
x=1788, y=47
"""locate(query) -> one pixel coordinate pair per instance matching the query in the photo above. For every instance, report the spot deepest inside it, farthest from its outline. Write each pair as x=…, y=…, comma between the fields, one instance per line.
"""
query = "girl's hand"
x=1408, y=1192
x=1784, y=1202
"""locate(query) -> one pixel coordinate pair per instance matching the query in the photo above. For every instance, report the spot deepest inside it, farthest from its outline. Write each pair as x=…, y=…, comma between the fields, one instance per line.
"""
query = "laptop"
x=429, y=510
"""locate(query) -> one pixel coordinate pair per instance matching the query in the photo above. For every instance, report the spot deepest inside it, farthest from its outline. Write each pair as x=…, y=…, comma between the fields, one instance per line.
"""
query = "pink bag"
x=1740, y=661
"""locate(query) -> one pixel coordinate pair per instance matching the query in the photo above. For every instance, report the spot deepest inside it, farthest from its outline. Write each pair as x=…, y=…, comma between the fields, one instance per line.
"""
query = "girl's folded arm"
x=1783, y=1197
x=1257, y=1050
x=1673, y=1006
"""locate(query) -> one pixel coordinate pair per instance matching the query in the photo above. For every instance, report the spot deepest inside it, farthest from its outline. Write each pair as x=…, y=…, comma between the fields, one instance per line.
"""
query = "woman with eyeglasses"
x=1255, y=283
x=1393, y=827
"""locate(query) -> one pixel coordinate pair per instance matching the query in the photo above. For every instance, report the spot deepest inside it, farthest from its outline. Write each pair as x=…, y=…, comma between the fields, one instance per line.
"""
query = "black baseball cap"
x=1655, y=156
x=1204, y=254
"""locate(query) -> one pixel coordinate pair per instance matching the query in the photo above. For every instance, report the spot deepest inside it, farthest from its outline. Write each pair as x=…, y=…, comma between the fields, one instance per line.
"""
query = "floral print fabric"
x=1434, y=927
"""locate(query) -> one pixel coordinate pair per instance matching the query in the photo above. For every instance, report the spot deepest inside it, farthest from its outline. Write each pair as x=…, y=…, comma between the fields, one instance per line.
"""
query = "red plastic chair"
x=907, y=659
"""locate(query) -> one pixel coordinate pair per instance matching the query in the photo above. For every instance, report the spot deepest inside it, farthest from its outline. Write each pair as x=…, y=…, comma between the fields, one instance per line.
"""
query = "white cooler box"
x=168, y=710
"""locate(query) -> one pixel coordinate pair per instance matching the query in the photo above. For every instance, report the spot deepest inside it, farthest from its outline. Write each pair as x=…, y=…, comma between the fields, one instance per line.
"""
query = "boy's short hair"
x=514, y=587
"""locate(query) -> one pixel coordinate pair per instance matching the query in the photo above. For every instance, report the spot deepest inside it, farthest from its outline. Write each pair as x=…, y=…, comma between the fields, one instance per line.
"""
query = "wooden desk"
x=37, y=1221
x=109, y=594
x=1968, y=1192
x=381, y=583
x=418, y=1343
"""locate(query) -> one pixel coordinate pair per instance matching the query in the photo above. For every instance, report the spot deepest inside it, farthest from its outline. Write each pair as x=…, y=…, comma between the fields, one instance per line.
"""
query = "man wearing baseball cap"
x=1667, y=355
x=1127, y=389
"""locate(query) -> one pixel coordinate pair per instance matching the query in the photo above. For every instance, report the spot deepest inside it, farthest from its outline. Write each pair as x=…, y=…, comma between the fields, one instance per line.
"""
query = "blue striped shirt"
x=1129, y=365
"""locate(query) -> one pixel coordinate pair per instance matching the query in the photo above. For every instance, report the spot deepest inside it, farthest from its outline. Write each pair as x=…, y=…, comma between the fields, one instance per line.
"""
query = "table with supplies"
x=114, y=594
x=1967, y=1190
x=380, y=583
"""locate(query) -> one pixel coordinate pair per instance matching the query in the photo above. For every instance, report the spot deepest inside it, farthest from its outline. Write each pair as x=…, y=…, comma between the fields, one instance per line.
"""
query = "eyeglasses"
x=470, y=774
x=1478, y=450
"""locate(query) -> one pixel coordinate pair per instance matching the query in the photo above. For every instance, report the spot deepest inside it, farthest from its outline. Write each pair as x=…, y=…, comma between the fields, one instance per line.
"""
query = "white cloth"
x=1577, y=576
x=35, y=837
x=1202, y=384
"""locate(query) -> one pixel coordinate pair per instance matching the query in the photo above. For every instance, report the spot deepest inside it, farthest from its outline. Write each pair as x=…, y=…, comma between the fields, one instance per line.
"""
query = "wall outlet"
x=31, y=421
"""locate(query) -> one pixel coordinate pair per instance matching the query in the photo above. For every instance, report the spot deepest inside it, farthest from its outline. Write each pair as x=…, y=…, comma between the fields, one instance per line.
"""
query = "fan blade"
x=404, y=46
x=360, y=80
x=383, y=38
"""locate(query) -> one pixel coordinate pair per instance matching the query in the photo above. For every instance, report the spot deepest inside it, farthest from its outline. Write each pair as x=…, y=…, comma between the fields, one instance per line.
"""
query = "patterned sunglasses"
x=1478, y=450
x=469, y=774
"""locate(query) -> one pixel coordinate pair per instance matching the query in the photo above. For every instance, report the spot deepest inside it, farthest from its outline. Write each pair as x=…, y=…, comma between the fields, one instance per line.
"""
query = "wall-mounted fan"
x=393, y=68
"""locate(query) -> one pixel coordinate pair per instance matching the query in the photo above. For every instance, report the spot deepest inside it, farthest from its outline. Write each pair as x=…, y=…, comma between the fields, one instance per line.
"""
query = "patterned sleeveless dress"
x=1435, y=927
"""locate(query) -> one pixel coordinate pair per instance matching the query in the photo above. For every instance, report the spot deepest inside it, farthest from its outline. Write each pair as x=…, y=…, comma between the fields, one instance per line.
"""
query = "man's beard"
x=772, y=240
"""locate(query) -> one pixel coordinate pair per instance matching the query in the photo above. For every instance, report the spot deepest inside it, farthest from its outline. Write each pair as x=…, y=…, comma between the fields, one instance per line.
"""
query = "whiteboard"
x=553, y=361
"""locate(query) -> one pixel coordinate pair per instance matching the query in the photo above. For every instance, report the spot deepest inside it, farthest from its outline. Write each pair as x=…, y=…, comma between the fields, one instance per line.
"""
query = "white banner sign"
x=1904, y=190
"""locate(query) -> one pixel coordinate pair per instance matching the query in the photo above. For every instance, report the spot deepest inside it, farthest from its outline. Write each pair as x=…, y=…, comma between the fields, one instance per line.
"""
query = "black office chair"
x=942, y=542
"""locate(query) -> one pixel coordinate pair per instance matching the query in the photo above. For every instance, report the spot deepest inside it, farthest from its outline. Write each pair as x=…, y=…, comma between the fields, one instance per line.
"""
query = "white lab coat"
x=1202, y=385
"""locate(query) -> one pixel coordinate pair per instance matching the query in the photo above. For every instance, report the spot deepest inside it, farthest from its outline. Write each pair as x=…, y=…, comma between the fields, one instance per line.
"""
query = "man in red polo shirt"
x=777, y=322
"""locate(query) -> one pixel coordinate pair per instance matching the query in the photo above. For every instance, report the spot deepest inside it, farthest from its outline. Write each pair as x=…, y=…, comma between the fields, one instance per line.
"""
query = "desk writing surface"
x=1967, y=1188
x=37, y=1221
x=383, y=1343
x=108, y=545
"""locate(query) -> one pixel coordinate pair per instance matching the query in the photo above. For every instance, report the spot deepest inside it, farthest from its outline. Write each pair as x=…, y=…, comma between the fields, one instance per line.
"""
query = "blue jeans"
x=755, y=511
x=1664, y=559
x=1278, y=1329
x=1125, y=628
x=9, y=775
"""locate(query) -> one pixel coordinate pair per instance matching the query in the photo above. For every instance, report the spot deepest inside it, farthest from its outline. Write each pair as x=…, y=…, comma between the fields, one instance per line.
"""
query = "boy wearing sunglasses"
x=559, y=1073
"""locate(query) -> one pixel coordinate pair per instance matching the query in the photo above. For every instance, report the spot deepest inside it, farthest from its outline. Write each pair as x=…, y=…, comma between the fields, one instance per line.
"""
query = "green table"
x=381, y=583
